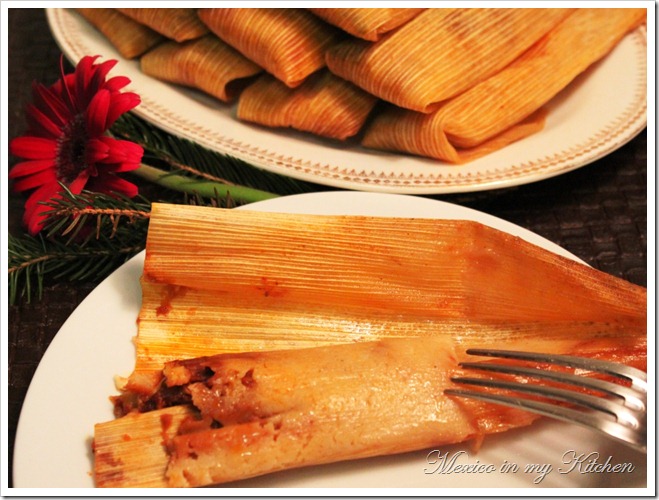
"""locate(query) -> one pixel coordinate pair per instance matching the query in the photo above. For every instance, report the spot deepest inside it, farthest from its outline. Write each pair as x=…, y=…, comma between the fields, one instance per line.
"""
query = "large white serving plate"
x=71, y=388
x=599, y=112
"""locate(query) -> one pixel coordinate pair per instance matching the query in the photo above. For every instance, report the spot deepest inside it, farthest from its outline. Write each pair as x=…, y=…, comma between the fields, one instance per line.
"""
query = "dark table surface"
x=598, y=212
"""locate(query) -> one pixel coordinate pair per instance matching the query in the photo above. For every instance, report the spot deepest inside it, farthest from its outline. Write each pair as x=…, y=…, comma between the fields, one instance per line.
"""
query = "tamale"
x=288, y=43
x=423, y=134
x=277, y=281
x=440, y=53
x=130, y=38
x=496, y=104
x=261, y=412
x=324, y=105
x=433, y=267
x=207, y=64
x=177, y=24
x=366, y=23
x=505, y=107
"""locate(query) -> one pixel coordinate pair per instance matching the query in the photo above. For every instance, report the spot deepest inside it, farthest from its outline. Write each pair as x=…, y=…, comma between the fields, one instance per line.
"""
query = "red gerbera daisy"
x=66, y=141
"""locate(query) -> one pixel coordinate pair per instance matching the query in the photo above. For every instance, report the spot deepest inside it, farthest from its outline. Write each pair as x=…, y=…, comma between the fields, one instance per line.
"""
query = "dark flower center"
x=71, y=150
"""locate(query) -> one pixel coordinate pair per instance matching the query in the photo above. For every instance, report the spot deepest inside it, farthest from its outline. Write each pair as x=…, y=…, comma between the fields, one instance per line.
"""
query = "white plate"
x=599, y=112
x=70, y=389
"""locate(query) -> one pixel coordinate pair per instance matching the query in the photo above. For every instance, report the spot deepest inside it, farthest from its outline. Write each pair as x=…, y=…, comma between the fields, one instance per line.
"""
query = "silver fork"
x=619, y=412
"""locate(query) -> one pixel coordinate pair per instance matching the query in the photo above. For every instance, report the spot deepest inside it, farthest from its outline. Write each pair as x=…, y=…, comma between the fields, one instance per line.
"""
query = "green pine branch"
x=85, y=238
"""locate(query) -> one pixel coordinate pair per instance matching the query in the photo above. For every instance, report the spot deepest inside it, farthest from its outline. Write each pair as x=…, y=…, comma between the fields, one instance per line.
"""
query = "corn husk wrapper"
x=207, y=64
x=537, y=75
x=324, y=105
x=130, y=38
x=288, y=43
x=394, y=301
x=175, y=24
x=423, y=134
x=284, y=281
x=366, y=23
x=131, y=452
x=440, y=53
x=507, y=106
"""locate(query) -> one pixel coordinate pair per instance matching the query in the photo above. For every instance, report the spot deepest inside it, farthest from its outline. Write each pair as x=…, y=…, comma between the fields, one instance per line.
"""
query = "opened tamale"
x=366, y=23
x=505, y=107
x=440, y=53
x=176, y=24
x=288, y=43
x=206, y=64
x=278, y=281
x=129, y=37
x=324, y=105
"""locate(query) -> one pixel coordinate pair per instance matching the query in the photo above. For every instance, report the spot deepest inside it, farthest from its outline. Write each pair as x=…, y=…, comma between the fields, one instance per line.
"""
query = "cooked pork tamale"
x=366, y=23
x=176, y=24
x=324, y=105
x=288, y=43
x=260, y=412
x=440, y=53
x=536, y=76
x=206, y=64
x=423, y=134
x=130, y=38
x=431, y=267
x=504, y=108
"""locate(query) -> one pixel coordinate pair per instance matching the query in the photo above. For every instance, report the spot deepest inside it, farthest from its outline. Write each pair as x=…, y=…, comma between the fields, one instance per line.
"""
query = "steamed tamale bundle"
x=129, y=37
x=271, y=341
x=366, y=23
x=324, y=105
x=440, y=53
x=207, y=64
x=177, y=24
x=288, y=43
x=504, y=107
x=456, y=83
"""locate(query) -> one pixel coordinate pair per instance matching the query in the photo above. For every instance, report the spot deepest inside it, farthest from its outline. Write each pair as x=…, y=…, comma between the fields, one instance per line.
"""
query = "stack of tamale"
x=450, y=83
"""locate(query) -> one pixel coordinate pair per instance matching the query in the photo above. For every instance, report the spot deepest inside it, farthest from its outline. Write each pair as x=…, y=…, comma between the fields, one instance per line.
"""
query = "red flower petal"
x=33, y=148
x=41, y=124
x=116, y=83
x=112, y=184
x=51, y=104
x=118, y=151
x=97, y=112
x=34, y=217
x=35, y=180
x=79, y=182
x=30, y=167
x=96, y=151
x=121, y=104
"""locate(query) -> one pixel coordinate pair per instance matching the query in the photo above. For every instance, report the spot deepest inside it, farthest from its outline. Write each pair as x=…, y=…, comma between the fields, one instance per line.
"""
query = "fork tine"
x=594, y=421
x=631, y=397
x=625, y=419
x=621, y=413
x=637, y=377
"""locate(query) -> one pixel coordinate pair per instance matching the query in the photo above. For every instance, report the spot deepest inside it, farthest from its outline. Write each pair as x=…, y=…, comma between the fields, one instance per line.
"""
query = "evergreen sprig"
x=85, y=237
